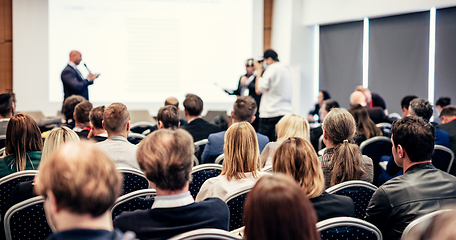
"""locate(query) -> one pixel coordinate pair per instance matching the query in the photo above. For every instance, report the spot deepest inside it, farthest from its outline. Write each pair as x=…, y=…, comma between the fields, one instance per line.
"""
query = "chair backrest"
x=419, y=225
x=235, y=201
x=27, y=220
x=135, y=138
x=267, y=169
x=137, y=200
x=347, y=228
x=2, y=141
x=385, y=127
x=133, y=180
x=220, y=158
x=200, y=174
x=443, y=158
x=207, y=233
x=199, y=148
x=140, y=127
x=140, y=116
x=210, y=115
x=8, y=183
x=375, y=148
x=360, y=191
x=195, y=161
x=321, y=144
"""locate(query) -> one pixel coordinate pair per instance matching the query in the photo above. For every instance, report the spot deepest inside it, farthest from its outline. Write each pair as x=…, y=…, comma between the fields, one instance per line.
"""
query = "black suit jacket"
x=331, y=205
x=450, y=128
x=377, y=114
x=73, y=83
x=200, y=129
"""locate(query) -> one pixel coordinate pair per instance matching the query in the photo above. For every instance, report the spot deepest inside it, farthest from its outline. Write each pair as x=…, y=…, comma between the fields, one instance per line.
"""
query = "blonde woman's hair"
x=56, y=138
x=340, y=127
x=292, y=125
x=241, y=151
x=296, y=157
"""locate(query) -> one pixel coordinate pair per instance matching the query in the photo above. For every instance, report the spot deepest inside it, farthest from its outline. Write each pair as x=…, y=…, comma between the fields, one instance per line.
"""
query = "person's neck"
x=407, y=164
x=67, y=220
x=191, y=118
x=111, y=134
x=451, y=119
x=163, y=192
x=78, y=124
x=97, y=131
x=329, y=144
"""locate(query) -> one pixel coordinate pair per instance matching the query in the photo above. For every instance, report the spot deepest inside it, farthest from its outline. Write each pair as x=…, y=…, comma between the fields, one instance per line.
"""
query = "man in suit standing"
x=243, y=111
x=196, y=125
x=72, y=79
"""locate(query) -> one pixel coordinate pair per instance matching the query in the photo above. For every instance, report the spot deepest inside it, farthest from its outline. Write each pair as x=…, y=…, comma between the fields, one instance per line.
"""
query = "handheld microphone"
x=86, y=67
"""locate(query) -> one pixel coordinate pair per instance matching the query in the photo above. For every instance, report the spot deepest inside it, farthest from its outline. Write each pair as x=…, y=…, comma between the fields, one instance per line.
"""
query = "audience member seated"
x=196, y=125
x=97, y=132
x=365, y=127
x=171, y=101
x=116, y=121
x=375, y=113
x=420, y=190
x=23, y=145
x=423, y=109
x=165, y=157
x=290, y=125
x=80, y=184
x=405, y=103
x=316, y=132
x=297, y=158
x=56, y=138
x=244, y=110
x=342, y=161
x=68, y=109
x=81, y=119
x=448, y=124
x=241, y=166
x=277, y=208
x=441, y=103
x=322, y=96
x=6, y=111
x=373, y=99
x=168, y=117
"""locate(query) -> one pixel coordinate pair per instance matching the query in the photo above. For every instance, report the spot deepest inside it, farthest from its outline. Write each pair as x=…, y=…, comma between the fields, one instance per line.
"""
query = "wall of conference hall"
x=318, y=61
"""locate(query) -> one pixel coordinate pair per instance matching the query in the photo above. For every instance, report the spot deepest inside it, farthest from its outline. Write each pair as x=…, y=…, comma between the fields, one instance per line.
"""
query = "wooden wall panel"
x=267, y=23
x=6, y=45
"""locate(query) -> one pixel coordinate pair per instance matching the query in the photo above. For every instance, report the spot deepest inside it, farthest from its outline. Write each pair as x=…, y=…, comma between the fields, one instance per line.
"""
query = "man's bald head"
x=172, y=101
x=358, y=97
x=75, y=57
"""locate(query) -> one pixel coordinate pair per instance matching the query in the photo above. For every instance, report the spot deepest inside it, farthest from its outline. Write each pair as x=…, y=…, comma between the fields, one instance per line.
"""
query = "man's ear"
x=128, y=127
x=160, y=125
x=401, y=151
x=253, y=119
x=325, y=136
x=102, y=123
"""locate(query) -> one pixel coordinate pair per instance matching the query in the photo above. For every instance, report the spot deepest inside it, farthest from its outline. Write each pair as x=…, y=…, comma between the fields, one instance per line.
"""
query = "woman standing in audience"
x=290, y=125
x=342, y=161
x=277, y=208
x=296, y=157
x=241, y=166
x=365, y=127
x=23, y=145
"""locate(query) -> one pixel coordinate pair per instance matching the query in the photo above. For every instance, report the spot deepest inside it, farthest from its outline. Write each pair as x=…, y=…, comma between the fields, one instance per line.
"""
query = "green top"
x=8, y=163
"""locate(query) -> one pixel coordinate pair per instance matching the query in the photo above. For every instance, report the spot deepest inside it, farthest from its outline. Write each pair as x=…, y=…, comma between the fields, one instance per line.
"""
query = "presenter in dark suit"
x=73, y=81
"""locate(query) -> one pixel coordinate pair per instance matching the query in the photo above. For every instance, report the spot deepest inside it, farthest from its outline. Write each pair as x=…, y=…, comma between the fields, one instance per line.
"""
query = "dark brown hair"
x=244, y=108
x=193, y=104
x=22, y=135
x=277, y=208
x=69, y=104
x=82, y=110
x=169, y=116
x=364, y=125
x=116, y=117
x=340, y=126
x=96, y=117
x=165, y=157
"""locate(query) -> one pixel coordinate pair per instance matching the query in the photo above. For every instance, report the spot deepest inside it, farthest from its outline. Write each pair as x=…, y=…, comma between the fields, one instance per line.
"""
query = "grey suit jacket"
x=122, y=152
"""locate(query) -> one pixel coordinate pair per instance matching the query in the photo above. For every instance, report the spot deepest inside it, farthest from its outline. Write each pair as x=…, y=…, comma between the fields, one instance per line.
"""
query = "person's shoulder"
x=213, y=204
x=216, y=136
x=262, y=136
x=129, y=217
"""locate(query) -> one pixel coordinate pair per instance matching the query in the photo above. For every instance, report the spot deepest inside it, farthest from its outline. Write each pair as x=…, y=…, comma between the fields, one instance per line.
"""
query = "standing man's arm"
x=259, y=70
x=70, y=79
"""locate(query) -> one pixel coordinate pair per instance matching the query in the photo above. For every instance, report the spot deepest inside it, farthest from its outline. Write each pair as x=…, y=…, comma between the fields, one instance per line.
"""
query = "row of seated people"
x=338, y=127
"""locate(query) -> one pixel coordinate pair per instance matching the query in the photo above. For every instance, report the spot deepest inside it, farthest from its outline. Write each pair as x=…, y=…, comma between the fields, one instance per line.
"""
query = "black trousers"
x=267, y=127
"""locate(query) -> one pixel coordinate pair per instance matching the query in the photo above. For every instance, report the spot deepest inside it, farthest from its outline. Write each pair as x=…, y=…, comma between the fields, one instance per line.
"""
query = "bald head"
x=75, y=57
x=172, y=101
x=358, y=97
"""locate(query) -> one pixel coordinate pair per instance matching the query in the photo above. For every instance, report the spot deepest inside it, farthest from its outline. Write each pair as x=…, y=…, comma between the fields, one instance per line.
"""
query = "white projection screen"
x=145, y=50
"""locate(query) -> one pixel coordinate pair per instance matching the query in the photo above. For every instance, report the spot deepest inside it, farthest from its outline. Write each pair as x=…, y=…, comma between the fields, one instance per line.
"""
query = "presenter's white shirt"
x=276, y=84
